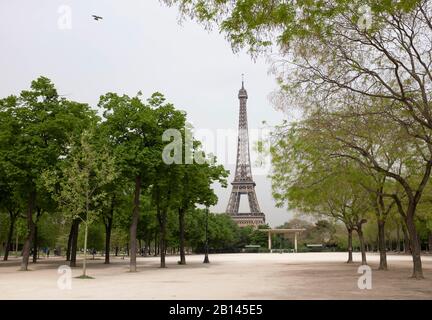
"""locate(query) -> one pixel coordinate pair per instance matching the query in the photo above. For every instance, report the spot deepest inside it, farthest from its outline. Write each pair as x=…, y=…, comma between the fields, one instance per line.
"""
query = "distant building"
x=243, y=183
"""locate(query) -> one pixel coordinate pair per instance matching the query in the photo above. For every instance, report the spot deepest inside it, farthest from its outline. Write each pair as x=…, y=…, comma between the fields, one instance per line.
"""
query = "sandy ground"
x=228, y=276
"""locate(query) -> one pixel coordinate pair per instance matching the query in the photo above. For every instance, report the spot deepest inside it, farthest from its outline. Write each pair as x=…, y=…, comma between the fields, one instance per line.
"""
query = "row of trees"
x=58, y=158
x=224, y=235
x=360, y=73
x=329, y=234
x=89, y=171
x=365, y=97
x=316, y=179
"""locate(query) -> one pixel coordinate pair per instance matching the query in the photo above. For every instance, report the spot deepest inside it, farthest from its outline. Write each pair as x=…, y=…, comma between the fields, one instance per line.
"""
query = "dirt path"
x=228, y=276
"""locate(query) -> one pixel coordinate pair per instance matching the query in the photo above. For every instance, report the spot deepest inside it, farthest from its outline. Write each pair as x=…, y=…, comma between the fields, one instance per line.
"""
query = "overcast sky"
x=138, y=45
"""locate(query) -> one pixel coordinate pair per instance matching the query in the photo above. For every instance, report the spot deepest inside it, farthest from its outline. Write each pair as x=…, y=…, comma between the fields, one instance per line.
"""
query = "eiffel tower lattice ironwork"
x=243, y=183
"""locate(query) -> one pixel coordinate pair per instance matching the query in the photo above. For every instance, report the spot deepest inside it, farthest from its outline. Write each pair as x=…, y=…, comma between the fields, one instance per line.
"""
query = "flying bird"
x=97, y=18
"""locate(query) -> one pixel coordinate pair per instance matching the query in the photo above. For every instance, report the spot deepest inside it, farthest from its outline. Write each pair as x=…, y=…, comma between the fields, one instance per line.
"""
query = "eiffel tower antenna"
x=243, y=183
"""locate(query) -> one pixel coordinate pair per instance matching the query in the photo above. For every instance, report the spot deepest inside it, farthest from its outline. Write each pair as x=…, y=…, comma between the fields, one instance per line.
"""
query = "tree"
x=377, y=184
x=260, y=25
x=163, y=195
x=43, y=204
x=382, y=207
x=73, y=242
x=107, y=219
x=95, y=238
x=133, y=135
x=36, y=127
x=377, y=51
x=117, y=191
x=196, y=188
x=222, y=232
x=258, y=237
x=148, y=226
x=316, y=183
x=165, y=190
x=84, y=177
x=385, y=70
x=375, y=144
x=11, y=202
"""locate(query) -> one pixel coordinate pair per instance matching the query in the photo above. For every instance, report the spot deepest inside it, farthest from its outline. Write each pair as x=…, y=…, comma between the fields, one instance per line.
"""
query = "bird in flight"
x=96, y=17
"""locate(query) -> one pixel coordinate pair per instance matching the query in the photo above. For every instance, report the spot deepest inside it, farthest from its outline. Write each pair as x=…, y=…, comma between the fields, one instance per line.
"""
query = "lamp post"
x=206, y=259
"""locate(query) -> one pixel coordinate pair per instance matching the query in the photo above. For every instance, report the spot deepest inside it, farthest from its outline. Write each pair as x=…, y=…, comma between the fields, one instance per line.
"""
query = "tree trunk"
x=407, y=244
x=381, y=245
x=134, y=224
x=430, y=242
x=35, y=240
x=362, y=245
x=16, y=243
x=74, y=245
x=69, y=245
x=182, y=236
x=35, y=243
x=31, y=230
x=350, y=247
x=398, y=245
x=415, y=246
x=155, y=244
x=10, y=235
x=108, y=228
x=162, y=217
x=85, y=249
x=162, y=245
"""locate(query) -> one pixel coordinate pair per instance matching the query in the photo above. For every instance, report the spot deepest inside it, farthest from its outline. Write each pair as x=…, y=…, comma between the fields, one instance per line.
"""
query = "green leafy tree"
x=165, y=190
x=11, y=203
x=36, y=127
x=367, y=52
x=95, y=237
x=316, y=183
x=118, y=192
x=196, y=188
x=260, y=24
x=84, y=176
x=133, y=132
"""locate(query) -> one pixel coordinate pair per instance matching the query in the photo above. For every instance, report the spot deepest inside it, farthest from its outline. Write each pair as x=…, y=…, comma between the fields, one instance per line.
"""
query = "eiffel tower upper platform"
x=243, y=183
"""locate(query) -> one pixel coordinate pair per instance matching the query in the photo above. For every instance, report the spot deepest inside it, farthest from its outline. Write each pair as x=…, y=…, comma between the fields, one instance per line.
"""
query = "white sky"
x=139, y=45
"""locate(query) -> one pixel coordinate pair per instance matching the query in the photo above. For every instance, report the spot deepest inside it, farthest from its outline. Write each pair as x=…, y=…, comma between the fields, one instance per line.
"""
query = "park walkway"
x=229, y=276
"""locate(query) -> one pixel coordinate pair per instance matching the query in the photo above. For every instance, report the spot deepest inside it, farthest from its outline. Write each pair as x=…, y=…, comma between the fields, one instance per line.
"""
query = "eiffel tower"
x=243, y=183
